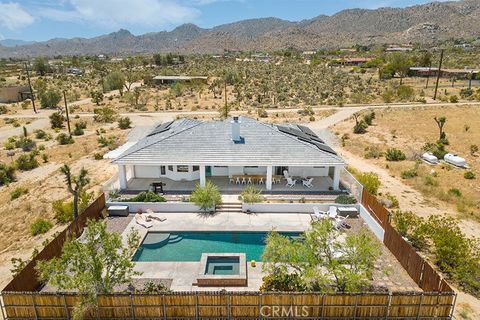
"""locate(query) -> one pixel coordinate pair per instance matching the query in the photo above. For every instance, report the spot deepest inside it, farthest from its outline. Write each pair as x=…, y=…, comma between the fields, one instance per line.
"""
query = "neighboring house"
x=445, y=73
x=75, y=71
x=14, y=94
x=354, y=61
x=173, y=79
x=184, y=152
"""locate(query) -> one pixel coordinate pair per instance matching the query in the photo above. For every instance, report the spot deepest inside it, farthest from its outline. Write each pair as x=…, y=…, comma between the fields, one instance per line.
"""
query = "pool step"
x=175, y=239
x=229, y=207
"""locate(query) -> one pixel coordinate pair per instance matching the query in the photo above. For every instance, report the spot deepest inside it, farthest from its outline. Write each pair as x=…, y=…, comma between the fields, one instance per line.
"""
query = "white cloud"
x=13, y=16
x=115, y=13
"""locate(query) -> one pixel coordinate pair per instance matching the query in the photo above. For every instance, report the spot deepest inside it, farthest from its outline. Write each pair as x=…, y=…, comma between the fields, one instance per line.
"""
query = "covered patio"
x=321, y=185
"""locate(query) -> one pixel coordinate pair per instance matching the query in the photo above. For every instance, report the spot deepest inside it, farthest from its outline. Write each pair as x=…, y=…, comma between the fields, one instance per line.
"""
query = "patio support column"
x=122, y=176
x=268, y=183
x=336, y=178
x=202, y=176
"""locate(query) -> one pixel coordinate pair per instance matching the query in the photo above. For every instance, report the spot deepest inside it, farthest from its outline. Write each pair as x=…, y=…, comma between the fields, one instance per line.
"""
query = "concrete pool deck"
x=184, y=274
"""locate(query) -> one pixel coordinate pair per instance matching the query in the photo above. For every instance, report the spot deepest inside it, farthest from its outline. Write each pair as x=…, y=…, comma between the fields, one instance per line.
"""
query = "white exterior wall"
x=258, y=170
x=235, y=171
x=147, y=171
x=308, y=171
x=219, y=171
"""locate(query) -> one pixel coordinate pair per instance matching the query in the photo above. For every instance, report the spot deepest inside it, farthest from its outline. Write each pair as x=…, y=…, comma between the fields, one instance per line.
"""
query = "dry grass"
x=409, y=129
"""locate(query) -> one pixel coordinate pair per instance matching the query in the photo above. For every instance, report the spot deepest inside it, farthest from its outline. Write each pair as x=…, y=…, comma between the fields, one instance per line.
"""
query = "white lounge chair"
x=291, y=182
x=155, y=216
x=318, y=214
x=332, y=212
x=340, y=223
x=307, y=183
x=140, y=219
x=285, y=174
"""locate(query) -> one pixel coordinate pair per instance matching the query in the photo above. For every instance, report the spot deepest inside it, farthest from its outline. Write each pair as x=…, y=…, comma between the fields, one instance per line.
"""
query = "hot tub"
x=222, y=269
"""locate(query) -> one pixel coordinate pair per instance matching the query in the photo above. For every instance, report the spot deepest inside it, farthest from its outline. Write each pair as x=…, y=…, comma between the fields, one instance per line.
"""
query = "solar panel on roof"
x=307, y=130
x=161, y=128
x=293, y=132
x=325, y=148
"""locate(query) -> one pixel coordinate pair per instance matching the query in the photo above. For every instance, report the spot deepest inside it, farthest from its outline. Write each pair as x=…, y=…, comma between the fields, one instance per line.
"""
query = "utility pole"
x=66, y=111
x=438, y=75
x=31, y=89
x=226, y=103
x=470, y=80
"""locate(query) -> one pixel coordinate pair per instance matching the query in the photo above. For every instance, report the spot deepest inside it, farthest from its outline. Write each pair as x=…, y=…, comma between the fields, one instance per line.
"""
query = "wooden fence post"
x=164, y=307
x=420, y=306
x=132, y=309
x=34, y=305
x=323, y=306
x=65, y=306
x=388, y=306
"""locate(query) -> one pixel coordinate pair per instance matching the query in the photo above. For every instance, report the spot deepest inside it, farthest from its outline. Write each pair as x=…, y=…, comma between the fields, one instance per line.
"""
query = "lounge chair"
x=341, y=223
x=285, y=174
x=154, y=216
x=291, y=182
x=318, y=214
x=307, y=183
x=140, y=219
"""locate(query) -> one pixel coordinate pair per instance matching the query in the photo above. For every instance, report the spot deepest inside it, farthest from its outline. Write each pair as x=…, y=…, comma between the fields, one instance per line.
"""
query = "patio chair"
x=291, y=182
x=332, y=212
x=237, y=181
x=231, y=180
x=140, y=219
x=260, y=181
x=285, y=174
x=307, y=183
x=244, y=181
x=249, y=181
x=154, y=216
x=341, y=223
x=318, y=215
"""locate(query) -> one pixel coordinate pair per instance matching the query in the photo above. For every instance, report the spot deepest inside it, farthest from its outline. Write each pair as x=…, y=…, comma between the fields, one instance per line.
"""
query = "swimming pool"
x=189, y=246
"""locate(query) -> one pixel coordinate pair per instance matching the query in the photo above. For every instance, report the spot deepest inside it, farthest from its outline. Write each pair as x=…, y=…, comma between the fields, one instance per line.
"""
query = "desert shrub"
x=405, y=93
x=393, y=200
x=394, y=154
x=251, y=194
x=64, y=139
x=64, y=210
x=455, y=192
x=430, y=181
x=56, y=120
x=262, y=113
x=105, y=115
x=453, y=99
x=410, y=226
x=152, y=287
x=40, y=226
x=3, y=109
x=26, y=144
x=78, y=130
x=7, y=174
x=147, y=196
x=40, y=134
x=26, y=162
x=110, y=142
x=409, y=174
x=465, y=93
x=473, y=149
x=208, y=197
x=18, y=192
x=50, y=98
x=469, y=175
x=370, y=181
x=98, y=156
x=373, y=152
x=368, y=118
x=124, y=123
x=345, y=199
x=360, y=127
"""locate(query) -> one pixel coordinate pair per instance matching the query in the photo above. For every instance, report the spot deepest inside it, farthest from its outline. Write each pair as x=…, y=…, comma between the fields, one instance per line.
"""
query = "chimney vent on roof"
x=236, y=129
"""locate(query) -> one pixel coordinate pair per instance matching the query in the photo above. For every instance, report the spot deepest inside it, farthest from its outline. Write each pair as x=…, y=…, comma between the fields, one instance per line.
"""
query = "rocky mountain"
x=427, y=24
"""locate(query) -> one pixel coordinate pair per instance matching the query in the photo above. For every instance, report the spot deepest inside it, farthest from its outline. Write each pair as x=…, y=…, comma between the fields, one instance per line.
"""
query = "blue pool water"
x=189, y=246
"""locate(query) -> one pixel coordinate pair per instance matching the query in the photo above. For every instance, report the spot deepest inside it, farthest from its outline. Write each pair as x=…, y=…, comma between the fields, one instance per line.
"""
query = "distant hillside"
x=426, y=24
x=14, y=42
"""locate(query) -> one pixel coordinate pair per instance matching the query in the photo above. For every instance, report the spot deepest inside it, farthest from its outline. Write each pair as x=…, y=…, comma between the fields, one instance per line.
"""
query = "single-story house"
x=173, y=79
x=14, y=94
x=445, y=73
x=232, y=153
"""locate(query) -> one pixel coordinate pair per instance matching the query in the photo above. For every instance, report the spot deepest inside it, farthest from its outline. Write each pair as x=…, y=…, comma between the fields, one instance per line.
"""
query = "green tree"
x=322, y=262
x=370, y=182
x=401, y=63
x=7, y=174
x=97, y=96
x=92, y=267
x=208, y=197
x=50, y=98
x=115, y=81
x=75, y=185
x=442, y=136
x=41, y=66
x=56, y=120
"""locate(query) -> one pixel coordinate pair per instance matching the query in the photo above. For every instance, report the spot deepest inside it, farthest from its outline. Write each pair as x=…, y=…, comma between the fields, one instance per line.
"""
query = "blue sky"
x=45, y=19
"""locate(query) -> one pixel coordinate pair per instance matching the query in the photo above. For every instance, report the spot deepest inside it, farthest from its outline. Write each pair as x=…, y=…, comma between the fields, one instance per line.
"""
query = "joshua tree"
x=442, y=135
x=75, y=185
